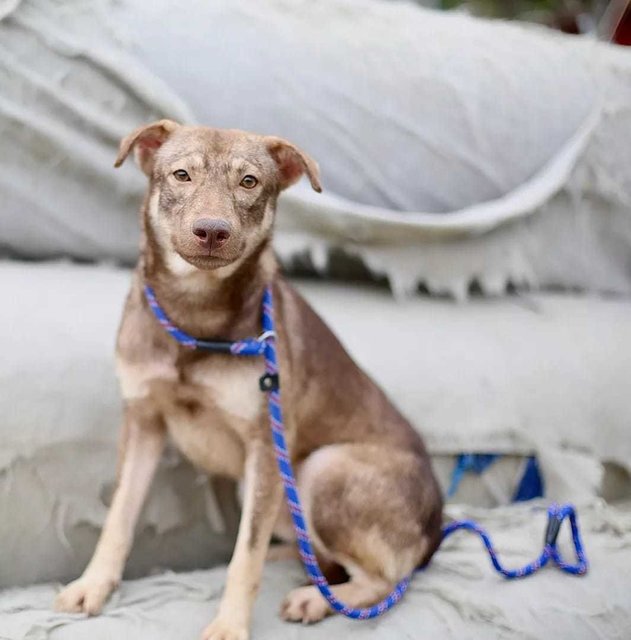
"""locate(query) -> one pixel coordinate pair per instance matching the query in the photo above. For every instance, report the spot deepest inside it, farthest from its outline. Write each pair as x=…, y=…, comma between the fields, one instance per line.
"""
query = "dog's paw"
x=85, y=595
x=220, y=629
x=305, y=605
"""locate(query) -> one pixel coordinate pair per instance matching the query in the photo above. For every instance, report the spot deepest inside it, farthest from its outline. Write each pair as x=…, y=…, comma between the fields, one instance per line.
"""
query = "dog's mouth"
x=210, y=258
x=208, y=261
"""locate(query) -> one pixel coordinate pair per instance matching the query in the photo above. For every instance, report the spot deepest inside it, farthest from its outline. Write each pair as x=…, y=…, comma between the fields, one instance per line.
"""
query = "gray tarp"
x=458, y=596
x=547, y=374
x=452, y=149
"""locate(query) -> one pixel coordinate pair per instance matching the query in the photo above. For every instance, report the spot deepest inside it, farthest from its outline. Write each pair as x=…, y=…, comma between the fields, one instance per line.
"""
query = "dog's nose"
x=211, y=234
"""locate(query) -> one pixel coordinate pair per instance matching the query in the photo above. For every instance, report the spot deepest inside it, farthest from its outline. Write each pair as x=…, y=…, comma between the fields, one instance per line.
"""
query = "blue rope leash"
x=248, y=347
x=556, y=516
x=266, y=345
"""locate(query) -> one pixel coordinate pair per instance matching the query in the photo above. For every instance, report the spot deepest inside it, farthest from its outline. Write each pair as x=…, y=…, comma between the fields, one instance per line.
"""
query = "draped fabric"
x=455, y=152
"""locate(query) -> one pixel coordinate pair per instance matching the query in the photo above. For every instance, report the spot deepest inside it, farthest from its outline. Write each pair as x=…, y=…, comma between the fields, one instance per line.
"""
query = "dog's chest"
x=214, y=411
x=210, y=407
x=230, y=387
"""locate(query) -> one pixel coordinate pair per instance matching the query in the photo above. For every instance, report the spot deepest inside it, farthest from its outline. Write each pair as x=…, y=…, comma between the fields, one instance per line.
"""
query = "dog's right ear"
x=145, y=141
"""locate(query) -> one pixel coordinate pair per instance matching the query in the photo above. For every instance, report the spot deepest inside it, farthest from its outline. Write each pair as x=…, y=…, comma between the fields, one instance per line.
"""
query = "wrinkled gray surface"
x=433, y=131
x=545, y=374
x=394, y=100
x=398, y=130
x=458, y=596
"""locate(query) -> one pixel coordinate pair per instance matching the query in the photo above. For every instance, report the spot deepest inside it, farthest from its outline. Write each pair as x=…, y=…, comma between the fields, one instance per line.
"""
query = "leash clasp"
x=269, y=382
x=552, y=530
x=266, y=335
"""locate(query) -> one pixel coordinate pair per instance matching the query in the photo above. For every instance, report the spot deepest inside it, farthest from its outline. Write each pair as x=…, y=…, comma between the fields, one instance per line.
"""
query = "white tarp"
x=452, y=149
x=458, y=596
x=545, y=375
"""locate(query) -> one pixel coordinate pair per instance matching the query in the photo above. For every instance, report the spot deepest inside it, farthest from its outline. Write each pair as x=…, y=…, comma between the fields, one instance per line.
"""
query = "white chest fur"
x=210, y=410
x=232, y=386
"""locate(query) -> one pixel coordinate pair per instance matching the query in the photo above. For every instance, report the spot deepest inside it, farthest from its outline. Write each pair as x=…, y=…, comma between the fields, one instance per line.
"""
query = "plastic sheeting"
x=453, y=150
x=543, y=375
x=457, y=596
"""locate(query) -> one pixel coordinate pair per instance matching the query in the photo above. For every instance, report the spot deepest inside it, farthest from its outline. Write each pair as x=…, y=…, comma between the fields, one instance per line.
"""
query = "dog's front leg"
x=262, y=494
x=142, y=443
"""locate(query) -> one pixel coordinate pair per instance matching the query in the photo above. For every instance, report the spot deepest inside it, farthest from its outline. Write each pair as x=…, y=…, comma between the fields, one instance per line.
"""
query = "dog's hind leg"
x=306, y=604
x=376, y=511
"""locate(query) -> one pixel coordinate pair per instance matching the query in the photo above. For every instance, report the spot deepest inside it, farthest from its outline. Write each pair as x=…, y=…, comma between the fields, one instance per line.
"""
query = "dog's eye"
x=181, y=176
x=249, y=182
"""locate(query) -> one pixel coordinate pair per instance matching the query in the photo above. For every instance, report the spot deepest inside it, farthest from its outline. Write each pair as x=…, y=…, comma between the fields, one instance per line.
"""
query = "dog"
x=372, y=503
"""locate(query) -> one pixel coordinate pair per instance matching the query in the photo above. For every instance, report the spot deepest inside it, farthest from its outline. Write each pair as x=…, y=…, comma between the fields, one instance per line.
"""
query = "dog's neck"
x=222, y=303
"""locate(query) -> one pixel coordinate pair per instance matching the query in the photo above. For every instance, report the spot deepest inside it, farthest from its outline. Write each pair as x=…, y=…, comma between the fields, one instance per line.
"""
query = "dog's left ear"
x=145, y=141
x=293, y=163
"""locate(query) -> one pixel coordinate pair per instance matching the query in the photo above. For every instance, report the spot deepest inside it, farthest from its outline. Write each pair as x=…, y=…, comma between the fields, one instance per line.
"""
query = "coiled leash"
x=265, y=345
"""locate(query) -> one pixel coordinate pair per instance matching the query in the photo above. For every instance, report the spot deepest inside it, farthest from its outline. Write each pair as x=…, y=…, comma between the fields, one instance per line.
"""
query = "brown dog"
x=371, y=501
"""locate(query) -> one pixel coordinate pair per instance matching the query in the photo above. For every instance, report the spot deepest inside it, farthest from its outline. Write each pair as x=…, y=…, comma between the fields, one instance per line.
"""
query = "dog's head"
x=212, y=192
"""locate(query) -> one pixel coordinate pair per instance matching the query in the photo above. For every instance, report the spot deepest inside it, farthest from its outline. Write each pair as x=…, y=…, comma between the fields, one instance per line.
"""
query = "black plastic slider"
x=269, y=382
x=215, y=346
x=552, y=531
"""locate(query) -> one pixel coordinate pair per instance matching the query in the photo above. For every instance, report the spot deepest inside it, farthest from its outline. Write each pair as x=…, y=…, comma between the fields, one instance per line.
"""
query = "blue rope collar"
x=265, y=345
x=247, y=347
